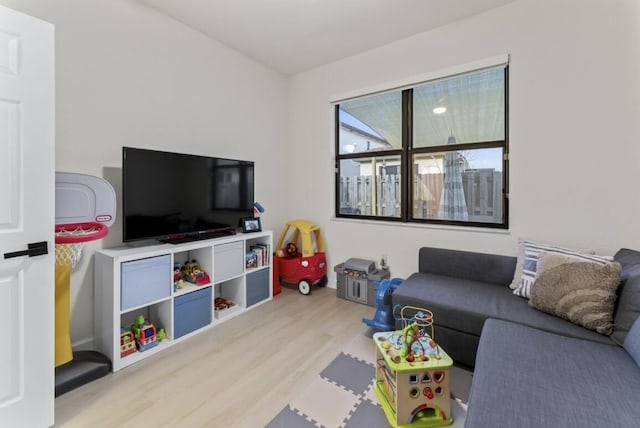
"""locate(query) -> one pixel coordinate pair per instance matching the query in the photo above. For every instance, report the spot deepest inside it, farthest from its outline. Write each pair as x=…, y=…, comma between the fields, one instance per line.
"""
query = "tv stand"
x=139, y=282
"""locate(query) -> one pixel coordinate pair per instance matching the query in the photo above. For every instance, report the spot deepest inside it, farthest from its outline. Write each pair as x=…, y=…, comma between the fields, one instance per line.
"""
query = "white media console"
x=130, y=282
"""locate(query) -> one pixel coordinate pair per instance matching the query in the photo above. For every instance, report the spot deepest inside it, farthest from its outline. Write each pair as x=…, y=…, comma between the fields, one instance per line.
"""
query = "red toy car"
x=302, y=268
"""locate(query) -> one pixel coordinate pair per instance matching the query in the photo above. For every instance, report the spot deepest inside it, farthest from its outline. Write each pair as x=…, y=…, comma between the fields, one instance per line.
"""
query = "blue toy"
x=384, y=319
x=144, y=333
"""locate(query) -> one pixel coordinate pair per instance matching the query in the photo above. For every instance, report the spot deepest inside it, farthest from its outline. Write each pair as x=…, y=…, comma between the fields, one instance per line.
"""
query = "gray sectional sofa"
x=531, y=369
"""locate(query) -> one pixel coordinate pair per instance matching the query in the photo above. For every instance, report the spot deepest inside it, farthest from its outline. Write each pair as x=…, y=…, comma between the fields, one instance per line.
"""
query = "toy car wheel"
x=323, y=281
x=304, y=287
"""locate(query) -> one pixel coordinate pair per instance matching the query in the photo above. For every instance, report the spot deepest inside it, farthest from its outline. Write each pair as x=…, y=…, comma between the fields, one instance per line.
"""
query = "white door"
x=27, y=215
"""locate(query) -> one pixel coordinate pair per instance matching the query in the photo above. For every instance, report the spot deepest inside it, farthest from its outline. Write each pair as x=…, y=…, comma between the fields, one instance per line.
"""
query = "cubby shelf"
x=133, y=281
x=188, y=288
x=228, y=312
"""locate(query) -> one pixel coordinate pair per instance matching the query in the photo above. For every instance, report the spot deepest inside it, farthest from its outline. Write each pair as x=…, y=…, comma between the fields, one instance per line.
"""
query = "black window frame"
x=406, y=154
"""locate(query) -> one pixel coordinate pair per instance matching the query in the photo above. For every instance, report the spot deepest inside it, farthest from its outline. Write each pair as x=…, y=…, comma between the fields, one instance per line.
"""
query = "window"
x=432, y=153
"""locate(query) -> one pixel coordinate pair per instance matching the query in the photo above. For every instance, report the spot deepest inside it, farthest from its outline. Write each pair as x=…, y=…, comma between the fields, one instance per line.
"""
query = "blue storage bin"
x=144, y=281
x=191, y=311
x=257, y=286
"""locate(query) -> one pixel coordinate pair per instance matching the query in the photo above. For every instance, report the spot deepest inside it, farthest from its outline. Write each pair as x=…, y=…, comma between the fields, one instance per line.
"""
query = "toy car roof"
x=303, y=225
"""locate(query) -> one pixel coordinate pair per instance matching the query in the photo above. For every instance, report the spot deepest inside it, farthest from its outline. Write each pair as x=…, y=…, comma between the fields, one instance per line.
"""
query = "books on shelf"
x=259, y=255
x=252, y=260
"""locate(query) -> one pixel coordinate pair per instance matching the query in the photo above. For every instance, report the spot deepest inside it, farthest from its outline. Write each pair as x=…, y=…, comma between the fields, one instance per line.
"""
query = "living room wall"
x=128, y=75
x=574, y=104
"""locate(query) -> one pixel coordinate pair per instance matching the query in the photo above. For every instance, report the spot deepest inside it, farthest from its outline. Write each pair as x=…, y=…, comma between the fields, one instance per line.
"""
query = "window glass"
x=449, y=164
x=469, y=107
x=371, y=123
x=458, y=185
x=370, y=186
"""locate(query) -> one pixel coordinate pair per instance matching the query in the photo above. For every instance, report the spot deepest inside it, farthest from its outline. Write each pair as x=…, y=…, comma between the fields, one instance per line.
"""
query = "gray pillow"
x=579, y=291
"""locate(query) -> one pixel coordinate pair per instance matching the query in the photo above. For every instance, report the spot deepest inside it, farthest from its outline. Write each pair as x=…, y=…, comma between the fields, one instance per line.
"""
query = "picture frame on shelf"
x=251, y=224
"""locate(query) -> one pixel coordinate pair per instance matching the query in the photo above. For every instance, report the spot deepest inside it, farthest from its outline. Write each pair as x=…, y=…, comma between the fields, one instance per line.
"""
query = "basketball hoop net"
x=70, y=239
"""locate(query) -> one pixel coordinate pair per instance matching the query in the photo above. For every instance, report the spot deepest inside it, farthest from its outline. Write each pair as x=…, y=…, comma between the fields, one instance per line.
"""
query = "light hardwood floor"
x=240, y=373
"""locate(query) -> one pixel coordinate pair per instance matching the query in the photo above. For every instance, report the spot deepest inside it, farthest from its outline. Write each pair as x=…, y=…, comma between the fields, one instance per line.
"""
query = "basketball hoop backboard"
x=82, y=198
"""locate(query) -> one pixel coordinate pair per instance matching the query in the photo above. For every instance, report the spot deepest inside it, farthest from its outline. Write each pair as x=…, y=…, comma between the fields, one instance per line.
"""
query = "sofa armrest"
x=632, y=342
x=491, y=268
x=628, y=302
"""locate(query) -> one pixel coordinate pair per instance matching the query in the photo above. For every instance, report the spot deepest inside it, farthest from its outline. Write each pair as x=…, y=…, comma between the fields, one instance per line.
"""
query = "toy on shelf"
x=219, y=303
x=161, y=335
x=383, y=319
x=145, y=333
x=192, y=273
x=301, y=260
x=127, y=342
x=412, y=373
x=178, y=282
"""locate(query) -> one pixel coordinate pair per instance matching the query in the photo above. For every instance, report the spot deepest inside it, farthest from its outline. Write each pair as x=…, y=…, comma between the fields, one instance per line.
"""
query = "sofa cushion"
x=530, y=264
x=491, y=268
x=578, y=291
x=460, y=346
x=632, y=342
x=528, y=378
x=628, y=304
x=464, y=305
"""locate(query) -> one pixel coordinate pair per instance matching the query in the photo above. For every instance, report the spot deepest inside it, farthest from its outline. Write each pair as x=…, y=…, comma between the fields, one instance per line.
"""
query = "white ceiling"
x=291, y=36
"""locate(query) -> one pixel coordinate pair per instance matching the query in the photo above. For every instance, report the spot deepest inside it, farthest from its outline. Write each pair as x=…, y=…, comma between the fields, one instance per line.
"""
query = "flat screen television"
x=177, y=197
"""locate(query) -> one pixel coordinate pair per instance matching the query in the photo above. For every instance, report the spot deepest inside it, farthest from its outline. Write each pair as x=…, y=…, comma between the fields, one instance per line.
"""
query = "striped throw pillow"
x=531, y=252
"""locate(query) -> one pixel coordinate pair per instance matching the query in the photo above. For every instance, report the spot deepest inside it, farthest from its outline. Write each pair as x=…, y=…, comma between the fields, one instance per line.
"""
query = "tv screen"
x=177, y=196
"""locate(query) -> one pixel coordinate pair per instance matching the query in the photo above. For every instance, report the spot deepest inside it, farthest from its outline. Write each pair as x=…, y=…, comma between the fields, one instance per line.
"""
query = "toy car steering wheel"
x=291, y=249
